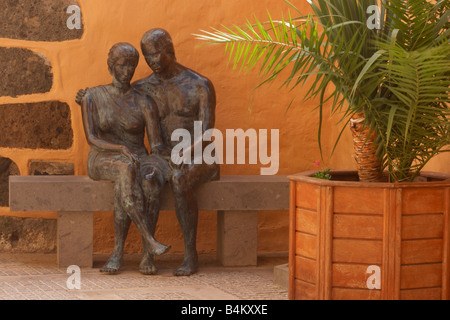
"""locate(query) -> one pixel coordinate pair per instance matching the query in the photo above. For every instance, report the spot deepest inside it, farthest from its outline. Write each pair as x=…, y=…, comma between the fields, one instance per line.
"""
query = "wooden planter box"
x=339, y=228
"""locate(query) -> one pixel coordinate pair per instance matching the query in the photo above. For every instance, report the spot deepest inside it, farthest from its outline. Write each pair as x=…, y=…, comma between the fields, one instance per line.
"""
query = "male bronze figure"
x=183, y=96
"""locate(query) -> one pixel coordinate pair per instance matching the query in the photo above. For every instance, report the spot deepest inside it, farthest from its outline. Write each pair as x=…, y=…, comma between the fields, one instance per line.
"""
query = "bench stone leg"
x=237, y=238
x=75, y=239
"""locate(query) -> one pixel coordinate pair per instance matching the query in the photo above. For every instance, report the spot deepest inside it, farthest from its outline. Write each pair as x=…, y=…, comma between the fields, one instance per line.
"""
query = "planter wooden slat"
x=305, y=269
x=360, y=201
x=421, y=276
x=423, y=200
x=306, y=245
x=421, y=251
x=413, y=227
x=354, y=226
x=347, y=275
x=421, y=294
x=304, y=290
x=306, y=221
x=303, y=201
x=357, y=251
x=355, y=294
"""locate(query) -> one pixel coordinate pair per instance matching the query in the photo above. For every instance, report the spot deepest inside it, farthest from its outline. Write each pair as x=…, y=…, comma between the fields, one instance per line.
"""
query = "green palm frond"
x=398, y=75
x=421, y=23
x=328, y=48
x=418, y=125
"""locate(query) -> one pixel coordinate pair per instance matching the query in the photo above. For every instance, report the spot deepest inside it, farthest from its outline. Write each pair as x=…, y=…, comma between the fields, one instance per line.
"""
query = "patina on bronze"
x=115, y=119
x=182, y=97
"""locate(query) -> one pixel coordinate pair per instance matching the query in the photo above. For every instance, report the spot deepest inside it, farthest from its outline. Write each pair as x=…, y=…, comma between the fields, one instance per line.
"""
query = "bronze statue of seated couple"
x=116, y=118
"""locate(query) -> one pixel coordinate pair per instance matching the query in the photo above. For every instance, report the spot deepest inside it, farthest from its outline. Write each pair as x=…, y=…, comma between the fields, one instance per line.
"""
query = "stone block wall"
x=24, y=72
x=43, y=20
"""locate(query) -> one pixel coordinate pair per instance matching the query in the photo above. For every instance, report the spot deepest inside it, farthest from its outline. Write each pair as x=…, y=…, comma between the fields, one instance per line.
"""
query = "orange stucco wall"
x=82, y=63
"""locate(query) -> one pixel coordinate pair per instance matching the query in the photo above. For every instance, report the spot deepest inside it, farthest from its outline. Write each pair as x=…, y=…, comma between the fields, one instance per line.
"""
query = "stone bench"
x=236, y=198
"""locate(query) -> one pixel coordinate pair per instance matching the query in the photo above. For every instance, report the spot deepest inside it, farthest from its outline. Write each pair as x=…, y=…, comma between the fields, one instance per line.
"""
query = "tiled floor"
x=36, y=277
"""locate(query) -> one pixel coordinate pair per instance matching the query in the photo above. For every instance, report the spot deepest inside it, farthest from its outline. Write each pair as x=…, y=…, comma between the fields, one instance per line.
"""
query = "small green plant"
x=323, y=174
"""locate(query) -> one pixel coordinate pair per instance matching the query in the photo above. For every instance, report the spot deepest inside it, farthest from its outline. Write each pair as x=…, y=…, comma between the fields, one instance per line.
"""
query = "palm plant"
x=390, y=83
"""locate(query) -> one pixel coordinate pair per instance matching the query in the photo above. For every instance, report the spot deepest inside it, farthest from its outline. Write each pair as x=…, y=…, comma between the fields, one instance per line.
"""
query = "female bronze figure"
x=115, y=119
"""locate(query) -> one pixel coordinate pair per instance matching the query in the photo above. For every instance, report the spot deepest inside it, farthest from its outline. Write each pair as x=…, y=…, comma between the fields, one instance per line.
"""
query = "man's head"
x=158, y=50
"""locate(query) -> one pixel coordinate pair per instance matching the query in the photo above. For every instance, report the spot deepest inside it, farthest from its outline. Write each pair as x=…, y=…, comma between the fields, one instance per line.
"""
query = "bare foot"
x=147, y=265
x=188, y=267
x=113, y=265
x=160, y=249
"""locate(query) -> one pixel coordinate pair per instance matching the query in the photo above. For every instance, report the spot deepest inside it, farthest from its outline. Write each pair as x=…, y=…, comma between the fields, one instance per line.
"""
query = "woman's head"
x=123, y=59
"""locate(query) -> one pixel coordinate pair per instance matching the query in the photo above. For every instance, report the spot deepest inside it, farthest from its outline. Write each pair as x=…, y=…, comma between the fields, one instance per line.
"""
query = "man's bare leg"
x=183, y=183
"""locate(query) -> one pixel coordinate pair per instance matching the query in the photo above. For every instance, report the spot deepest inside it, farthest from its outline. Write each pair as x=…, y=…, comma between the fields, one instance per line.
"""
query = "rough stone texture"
x=46, y=168
x=75, y=239
x=281, y=276
x=43, y=125
x=24, y=72
x=43, y=20
x=7, y=168
x=237, y=238
x=27, y=235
